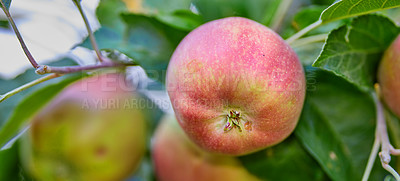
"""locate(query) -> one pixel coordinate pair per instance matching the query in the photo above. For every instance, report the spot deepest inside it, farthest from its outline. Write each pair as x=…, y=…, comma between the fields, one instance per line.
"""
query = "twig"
x=309, y=39
x=382, y=134
x=280, y=14
x=302, y=32
x=372, y=157
x=18, y=34
x=90, y=32
x=44, y=69
x=27, y=85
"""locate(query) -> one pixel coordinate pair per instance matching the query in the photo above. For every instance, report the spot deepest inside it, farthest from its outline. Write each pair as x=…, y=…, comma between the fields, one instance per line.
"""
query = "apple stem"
x=18, y=34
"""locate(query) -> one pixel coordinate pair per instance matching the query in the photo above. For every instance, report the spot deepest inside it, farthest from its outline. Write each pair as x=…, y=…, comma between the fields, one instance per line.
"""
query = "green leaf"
x=349, y=8
x=285, y=161
x=4, y=24
x=28, y=107
x=258, y=10
x=337, y=126
x=9, y=164
x=323, y=143
x=8, y=105
x=167, y=6
x=7, y=3
x=181, y=19
x=353, y=52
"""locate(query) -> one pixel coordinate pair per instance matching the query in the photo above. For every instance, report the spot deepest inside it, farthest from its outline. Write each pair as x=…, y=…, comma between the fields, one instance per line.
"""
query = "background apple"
x=236, y=86
x=176, y=158
x=389, y=76
x=91, y=131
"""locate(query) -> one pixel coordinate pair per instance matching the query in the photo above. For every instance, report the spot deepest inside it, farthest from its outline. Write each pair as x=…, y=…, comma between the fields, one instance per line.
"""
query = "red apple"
x=389, y=76
x=91, y=131
x=176, y=158
x=236, y=86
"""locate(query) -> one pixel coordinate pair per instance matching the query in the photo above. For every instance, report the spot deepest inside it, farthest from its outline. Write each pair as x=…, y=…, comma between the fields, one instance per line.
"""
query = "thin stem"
x=280, y=14
x=18, y=34
x=310, y=39
x=44, y=69
x=371, y=159
x=90, y=32
x=302, y=32
x=27, y=85
x=382, y=133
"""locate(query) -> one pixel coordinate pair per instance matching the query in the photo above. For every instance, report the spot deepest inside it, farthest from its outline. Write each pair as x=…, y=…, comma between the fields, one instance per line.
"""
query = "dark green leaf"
x=353, y=52
x=258, y=10
x=28, y=107
x=286, y=161
x=323, y=2
x=323, y=143
x=181, y=19
x=337, y=126
x=9, y=164
x=349, y=8
x=4, y=24
x=7, y=3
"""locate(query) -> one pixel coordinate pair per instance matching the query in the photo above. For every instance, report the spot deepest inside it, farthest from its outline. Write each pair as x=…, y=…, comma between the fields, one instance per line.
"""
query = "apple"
x=176, y=158
x=389, y=76
x=90, y=131
x=236, y=86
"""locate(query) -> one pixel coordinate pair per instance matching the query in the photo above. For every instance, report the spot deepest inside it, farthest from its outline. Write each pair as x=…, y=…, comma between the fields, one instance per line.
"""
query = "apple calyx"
x=233, y=121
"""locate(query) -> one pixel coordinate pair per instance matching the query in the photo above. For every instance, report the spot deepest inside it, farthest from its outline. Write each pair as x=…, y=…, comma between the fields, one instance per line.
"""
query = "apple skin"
x=88, y=132
x=389, y=76
x=177, y=158
x=235, y=64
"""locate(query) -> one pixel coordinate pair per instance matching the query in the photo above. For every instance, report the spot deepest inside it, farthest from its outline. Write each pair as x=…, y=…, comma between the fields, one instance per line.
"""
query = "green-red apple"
x=236, y=86
x=176, y=158
x=90, y=131
x=389, y=76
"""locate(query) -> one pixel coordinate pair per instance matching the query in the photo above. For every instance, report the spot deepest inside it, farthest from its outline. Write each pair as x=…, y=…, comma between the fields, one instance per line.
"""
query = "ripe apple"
x=90, y=131
x=236, y=86
x=176, y=158
x=389, y=76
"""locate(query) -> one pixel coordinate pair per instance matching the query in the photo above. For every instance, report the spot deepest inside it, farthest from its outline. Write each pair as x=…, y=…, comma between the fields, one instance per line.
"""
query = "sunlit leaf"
x=349, y=8
x=353, y=52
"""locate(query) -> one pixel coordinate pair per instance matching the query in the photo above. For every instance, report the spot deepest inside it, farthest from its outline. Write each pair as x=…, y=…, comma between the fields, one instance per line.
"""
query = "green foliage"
x=285, y=161
x=353, y=52
x=337, y=125
x=4, y=24
x=349, y=8
x=28, y=107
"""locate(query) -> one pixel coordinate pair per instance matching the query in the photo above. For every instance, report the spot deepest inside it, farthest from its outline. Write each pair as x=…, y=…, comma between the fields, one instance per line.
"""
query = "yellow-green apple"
x=176, y=158
x=90, y=131
x=389, y=76
x=236, y=86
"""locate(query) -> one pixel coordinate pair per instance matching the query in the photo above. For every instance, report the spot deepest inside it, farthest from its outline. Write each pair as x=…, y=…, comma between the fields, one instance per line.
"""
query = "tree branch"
x=44, y=69
x=90, y=32
x=18, y=34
